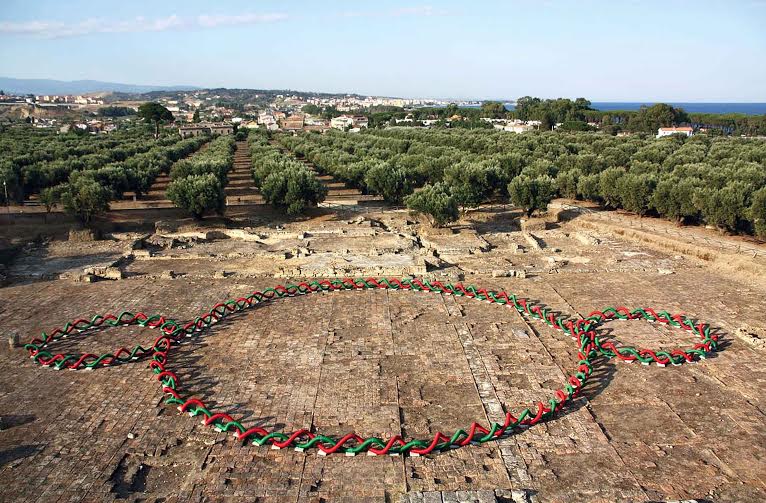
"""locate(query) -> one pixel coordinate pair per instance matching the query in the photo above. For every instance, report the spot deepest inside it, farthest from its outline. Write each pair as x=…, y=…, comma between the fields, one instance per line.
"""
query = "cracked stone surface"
x=381, y=363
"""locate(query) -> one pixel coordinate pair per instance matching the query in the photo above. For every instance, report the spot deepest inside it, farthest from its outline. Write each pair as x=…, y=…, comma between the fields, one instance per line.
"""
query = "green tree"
x=650, y=119
x=674, y=198
x=723, y=207
x=609, y=186
x=85, y=198
x=311, y=109
x=436, y=202
x=196, y=117
x=51, y=196
x=540, y=167
x=493, y=110
x=588, y=188
x=294, y=188
x=390, y=182
x=9, y=183
x=532, y=193
x=198, y=194
x=470, y=183
x=156, y=114
x=567, y=182
x=758, y=212
x=636, y=192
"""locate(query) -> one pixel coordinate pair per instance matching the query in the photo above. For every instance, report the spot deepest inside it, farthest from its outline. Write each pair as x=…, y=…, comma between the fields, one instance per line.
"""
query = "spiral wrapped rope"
x=581, y=330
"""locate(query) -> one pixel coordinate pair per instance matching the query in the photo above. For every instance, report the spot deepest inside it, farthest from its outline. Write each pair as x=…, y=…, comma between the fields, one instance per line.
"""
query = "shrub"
x=532, y=193
x=294, y=188
x=436, y=202
x=198, y=194
x=85, y=198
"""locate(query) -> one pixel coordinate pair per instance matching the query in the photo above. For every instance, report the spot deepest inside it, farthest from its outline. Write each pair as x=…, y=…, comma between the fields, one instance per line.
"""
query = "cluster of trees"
x=198, y=182
x=551, y=112
x=571, y=115
x=733, y=124
x=283, y=181
x=717, y=181
x=115, y=111
x=87, y=193
x=85, y=173
x=394, y=167
x=31, y=160
x=575, y=115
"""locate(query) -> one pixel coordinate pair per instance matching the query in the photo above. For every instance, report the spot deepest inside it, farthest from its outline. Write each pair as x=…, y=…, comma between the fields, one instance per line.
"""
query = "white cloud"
x=57, y=29
x=424, y=10
x=420, y=10
x=213, y=21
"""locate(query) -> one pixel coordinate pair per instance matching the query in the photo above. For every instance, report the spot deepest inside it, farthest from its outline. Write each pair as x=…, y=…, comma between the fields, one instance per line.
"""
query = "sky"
x=604, y=50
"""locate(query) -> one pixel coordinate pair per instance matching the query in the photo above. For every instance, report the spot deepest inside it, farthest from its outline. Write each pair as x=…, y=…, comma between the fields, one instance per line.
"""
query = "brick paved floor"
x=381, y=362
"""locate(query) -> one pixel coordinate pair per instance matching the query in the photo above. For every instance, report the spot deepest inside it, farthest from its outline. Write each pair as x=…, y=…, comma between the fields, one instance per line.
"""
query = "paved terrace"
x=382, y=362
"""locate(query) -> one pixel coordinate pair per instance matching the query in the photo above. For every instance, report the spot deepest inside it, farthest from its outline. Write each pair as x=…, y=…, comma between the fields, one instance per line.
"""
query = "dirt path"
x=240, y=189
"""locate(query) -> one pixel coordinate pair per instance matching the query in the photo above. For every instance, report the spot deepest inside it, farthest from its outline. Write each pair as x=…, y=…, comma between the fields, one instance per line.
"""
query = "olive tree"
x=85, y=198
x=567, y=182
x=758, y=212
x=532, y=193
x=470, y=183
x=609, y=186
x=674, y=198
x=390, y=182
x=636, y=192
x=723, y=207
x=198, y=194
x=294, y=188
x=436, y=202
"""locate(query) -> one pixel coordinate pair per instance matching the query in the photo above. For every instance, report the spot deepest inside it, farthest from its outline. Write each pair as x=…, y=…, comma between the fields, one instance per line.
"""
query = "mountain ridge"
x=65, y=87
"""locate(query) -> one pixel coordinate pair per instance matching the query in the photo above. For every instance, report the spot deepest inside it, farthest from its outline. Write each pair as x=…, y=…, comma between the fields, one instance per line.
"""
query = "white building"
x=342, y=122
x=267, y=119
x=360, y=121
x=519, y=128
x=667, y=131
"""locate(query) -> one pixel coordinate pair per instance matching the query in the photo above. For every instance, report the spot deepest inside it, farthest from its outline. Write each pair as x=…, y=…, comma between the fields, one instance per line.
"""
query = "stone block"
x=533, y=224
x=84, y=235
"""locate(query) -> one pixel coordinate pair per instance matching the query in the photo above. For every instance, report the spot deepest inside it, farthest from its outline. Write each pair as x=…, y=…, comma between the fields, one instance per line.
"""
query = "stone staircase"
x=241, y=189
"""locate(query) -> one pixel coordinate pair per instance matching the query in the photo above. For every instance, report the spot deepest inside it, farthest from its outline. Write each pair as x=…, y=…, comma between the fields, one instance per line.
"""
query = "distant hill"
x=60, y=87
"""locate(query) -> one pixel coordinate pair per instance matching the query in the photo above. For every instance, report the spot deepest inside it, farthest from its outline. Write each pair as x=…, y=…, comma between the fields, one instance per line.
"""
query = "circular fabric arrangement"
x=583, y=331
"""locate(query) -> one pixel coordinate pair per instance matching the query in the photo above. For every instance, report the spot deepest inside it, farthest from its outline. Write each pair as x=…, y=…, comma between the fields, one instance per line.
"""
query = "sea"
x=703, y=108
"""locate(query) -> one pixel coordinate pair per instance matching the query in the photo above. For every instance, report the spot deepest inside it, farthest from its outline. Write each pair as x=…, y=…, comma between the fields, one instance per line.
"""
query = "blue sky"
x=605, y=50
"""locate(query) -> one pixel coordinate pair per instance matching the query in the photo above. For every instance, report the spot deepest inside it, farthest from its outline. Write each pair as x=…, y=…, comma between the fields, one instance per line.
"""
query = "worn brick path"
x=413, y=363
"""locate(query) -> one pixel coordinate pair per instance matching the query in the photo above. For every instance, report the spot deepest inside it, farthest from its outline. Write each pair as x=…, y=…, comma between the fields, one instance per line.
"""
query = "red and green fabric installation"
x=171, y=333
